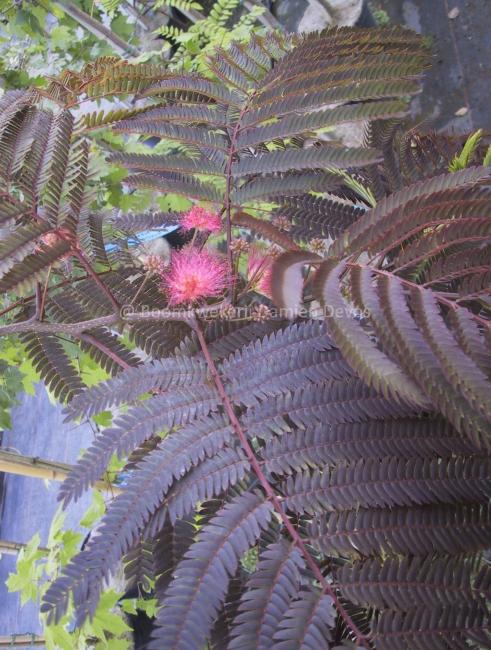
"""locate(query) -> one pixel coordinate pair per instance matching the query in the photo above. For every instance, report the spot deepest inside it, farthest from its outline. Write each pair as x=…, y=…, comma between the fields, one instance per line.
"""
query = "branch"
x=74, y=329
x=22, y=301
x=327, y=588
x=98, y=29
x=124, y=316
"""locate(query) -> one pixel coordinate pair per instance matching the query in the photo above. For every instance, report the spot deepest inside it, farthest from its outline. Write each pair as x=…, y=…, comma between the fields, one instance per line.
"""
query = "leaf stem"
x=256, y=466
x=76, y=252
x=92, y=340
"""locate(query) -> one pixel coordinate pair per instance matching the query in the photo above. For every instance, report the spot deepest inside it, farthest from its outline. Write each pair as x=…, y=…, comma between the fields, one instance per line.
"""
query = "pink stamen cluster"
x=194, y=275
x=200, y=219
x=259, y=272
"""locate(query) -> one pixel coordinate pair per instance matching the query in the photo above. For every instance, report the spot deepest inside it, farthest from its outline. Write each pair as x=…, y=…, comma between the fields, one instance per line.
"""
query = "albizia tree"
x=308, y=440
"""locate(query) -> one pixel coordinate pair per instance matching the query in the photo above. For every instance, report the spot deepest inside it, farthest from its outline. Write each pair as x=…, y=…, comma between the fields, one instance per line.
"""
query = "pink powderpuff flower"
x=194, y=275
x=259, y=272
x=199, y=219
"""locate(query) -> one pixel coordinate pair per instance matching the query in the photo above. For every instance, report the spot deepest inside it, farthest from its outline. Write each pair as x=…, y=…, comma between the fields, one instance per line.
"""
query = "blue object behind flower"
x=144, y=236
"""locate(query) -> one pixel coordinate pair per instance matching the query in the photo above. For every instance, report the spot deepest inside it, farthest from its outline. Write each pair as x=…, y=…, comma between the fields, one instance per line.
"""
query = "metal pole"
x=12, y=463
x=25, y=640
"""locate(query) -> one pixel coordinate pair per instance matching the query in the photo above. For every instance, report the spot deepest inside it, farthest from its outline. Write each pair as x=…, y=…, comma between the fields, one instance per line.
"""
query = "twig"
x=256, y=466
x=33, y=325
x=22, y=301
x=43, y=297
x=90, y=271
x=75, y=329
x=88, y=338
x=97, y=29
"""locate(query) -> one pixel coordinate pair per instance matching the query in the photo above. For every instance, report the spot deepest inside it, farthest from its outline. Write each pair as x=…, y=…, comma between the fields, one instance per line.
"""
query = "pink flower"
x=194, y=275
x=259, y=272
x=199, y=219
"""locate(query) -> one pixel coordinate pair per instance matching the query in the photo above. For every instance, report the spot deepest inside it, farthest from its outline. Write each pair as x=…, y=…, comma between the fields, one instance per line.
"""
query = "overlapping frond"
x=446, y=626
x=395, y=317
x=407, y=531
x=265, y=107
x=53, y=364
x=268, y=595
x=404, y=583
x=106, y=76
x=307, y=622
x=130, y=512
x=415, y=343
x=316, y=216
x=347, y=453
x=157, y=376
x=390, y=482
x=203, y=575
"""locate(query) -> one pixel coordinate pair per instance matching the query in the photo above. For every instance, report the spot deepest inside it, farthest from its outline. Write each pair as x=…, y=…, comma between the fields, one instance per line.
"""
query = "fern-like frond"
x=53, y=364
x=323, y=157
x=33, y=267
x=440, y=626
x=332, y=402
x=307, y=623
x=156, y=376
x=129, y=513
x=318, y=446
x=155, y=415
x=296, y=125
x=295, y=359
x=268, y=595
x=377, y=221
x=449, y=529
x=20, y=243
x=372, y=582
x=204, y=573
x=170, y=163
x=176, y=183
x=316, y=216
x=211, y=478
x=390, y=482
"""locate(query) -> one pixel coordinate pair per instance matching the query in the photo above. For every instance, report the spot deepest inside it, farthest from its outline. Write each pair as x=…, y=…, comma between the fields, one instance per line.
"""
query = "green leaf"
x=122, y=27
x=103, y=419
x=58, y=638
x=28, y=571
x=95, y=511
x=149, y=606
x=105, y=621
x=60, y=37
x=464, y=158
x=115, y=644
x=70, y=545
